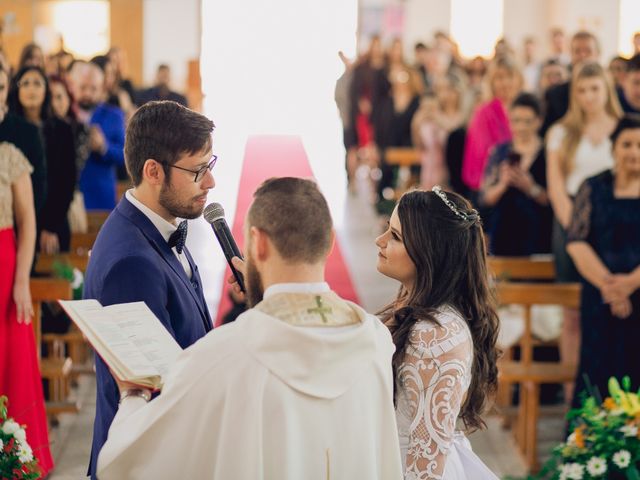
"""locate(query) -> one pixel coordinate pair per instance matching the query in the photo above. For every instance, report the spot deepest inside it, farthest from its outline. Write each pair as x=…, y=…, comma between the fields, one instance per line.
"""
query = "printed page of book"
x=146, y=333
x=128, y=337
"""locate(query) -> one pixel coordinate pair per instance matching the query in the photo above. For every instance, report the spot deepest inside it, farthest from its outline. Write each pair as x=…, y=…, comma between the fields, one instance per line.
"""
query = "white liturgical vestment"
x=269, y=398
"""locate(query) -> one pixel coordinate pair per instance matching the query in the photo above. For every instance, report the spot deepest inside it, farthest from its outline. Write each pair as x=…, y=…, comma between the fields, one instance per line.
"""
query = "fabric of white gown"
x=434, y=379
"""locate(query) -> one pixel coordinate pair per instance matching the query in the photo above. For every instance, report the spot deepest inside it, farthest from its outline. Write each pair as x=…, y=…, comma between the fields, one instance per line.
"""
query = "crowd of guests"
x=62, y=126
x=548, y=152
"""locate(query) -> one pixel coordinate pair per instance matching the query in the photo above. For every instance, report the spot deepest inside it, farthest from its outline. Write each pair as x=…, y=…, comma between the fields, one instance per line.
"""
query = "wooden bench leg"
x=521, y=421
x=532, y=392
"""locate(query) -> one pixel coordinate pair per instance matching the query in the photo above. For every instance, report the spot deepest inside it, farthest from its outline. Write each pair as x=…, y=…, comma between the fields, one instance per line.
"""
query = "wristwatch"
x=535, y=190
x=136, y=392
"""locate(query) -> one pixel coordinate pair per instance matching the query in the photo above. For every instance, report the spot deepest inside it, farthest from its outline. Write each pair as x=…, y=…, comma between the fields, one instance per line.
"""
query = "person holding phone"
x=514, y=186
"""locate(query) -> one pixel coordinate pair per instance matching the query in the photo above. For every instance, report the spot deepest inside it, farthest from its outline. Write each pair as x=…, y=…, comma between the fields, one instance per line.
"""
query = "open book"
x=129, y=338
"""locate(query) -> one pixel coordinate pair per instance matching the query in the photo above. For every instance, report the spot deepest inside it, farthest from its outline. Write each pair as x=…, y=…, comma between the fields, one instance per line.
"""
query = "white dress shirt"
x=165, y=228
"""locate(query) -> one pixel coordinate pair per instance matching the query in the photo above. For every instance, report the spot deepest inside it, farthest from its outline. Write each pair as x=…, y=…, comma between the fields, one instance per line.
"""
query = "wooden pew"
x=82, y=243
x=529, y=374
x=402, y=157
x=95, y=219
x=522, y=268
x=518, y=268
x=56, y=368
x=45, y=263
x=121, y=188
x=72, y=342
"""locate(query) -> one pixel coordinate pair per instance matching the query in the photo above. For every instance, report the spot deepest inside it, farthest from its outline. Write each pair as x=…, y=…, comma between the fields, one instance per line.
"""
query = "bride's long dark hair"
x=448, y=251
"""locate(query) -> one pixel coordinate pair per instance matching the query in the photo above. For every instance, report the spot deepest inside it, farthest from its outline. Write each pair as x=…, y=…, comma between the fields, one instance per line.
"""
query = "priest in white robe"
x=298, y=387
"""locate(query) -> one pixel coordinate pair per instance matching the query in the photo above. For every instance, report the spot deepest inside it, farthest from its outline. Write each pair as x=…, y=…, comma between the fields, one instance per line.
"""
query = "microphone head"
x=213, y=212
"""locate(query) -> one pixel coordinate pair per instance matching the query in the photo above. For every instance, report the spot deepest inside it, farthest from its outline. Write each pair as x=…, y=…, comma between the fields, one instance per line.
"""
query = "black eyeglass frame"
x=198, y=173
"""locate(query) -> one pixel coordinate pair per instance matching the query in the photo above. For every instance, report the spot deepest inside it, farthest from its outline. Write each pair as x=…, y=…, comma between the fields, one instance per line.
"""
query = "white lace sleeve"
x=434, y=379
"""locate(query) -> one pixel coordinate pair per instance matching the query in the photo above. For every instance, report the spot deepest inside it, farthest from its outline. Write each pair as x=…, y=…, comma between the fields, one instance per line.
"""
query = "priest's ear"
x=260, y=244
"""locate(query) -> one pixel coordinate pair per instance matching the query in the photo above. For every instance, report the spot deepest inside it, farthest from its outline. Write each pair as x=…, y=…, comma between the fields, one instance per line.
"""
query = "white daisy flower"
x=622, y=459
x=596, y=466
x=571, y=471
x=24, y=453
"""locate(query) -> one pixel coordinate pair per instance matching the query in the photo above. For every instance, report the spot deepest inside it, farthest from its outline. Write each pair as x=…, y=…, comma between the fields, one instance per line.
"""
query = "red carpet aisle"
x=279, y=156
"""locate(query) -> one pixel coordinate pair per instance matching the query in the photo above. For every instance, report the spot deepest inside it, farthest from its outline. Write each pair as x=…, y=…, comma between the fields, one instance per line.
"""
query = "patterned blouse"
x=13, y=164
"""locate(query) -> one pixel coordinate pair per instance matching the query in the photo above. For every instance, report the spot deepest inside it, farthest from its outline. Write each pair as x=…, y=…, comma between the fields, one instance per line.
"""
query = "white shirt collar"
x=319, y=287
x=165, y=228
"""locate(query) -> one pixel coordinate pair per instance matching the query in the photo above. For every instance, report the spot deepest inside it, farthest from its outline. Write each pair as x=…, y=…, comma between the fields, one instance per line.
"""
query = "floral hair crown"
x=471, y=216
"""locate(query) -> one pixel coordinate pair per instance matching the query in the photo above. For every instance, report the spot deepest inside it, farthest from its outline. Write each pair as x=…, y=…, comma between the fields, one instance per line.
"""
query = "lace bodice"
x=434, y=379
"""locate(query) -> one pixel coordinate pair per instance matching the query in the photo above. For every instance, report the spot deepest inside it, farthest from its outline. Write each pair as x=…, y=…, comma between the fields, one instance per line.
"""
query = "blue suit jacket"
x=98, y=178
x=131, y=262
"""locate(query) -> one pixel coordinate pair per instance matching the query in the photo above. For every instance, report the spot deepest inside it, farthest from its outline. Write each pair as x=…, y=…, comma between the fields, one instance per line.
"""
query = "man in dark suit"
x=584, y=48
x=162, y=89
x=106, y=138
x=139, y=254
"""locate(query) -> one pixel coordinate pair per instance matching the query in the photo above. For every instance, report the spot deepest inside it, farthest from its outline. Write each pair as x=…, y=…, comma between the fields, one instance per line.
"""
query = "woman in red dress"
x=19, y=373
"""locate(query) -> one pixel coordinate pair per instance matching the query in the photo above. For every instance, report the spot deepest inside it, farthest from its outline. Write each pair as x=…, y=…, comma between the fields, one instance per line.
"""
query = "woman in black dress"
x=604, y=243
x=30, y=98
x=514, y=186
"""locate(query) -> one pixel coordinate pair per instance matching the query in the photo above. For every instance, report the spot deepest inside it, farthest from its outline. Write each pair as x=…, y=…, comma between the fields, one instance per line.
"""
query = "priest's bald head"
x=289, y=234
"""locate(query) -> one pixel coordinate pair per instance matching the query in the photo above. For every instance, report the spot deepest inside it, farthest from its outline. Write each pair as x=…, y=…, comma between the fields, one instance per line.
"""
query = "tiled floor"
x=71, y=440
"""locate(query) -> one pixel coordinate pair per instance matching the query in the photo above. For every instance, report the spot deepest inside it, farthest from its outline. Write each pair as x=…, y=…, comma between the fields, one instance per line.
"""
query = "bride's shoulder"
x=436, y=337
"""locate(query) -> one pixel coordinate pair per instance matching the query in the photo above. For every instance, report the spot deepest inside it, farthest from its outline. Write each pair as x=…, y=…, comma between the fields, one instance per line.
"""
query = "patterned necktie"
x=178, y=237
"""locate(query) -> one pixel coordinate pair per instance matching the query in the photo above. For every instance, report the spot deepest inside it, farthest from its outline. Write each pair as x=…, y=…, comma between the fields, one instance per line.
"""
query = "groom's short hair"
x=295, y=215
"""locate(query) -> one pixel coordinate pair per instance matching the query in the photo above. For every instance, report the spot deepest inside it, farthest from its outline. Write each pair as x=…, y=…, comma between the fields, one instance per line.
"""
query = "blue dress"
x=611, y=226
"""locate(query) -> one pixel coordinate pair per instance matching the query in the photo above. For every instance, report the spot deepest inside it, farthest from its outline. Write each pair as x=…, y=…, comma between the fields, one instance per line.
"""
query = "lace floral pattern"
x=581, y=220
x=434, y=378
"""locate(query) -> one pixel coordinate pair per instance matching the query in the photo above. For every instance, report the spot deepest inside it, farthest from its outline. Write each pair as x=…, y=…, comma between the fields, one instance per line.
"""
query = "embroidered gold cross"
x=320, y=309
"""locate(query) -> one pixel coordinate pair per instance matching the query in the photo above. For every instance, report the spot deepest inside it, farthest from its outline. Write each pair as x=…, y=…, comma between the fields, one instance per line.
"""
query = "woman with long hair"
x=393, y=124
x=19, y=373
x=578, y=147
x=436, y=118
x=30, y=98
x=444, y=326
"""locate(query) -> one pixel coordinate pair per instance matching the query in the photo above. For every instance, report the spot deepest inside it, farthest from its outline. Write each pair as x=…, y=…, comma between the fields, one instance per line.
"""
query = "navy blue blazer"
x=130, y=262
x=98, y=177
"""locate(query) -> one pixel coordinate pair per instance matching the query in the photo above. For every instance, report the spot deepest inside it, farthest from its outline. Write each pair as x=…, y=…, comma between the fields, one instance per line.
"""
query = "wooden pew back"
x=46, y=290
x=522, y=268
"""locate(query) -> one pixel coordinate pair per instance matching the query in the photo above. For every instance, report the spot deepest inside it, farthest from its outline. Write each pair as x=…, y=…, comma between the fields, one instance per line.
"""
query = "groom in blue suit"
x=139, y=254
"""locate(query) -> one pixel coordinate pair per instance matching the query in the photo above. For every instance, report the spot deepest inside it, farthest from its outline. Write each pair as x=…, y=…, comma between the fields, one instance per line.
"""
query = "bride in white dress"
x=445, y=327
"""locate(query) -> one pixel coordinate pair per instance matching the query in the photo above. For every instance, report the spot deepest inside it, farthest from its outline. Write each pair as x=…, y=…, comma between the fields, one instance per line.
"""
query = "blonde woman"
x=489, y=124
x=578, y=147
x=438, y=116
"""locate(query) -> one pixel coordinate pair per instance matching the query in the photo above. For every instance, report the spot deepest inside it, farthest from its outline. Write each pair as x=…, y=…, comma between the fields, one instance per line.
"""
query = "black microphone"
x=214, y=214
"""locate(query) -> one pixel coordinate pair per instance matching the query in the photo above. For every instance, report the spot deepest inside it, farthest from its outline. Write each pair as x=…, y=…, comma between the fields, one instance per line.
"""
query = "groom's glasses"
x=201, y=171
